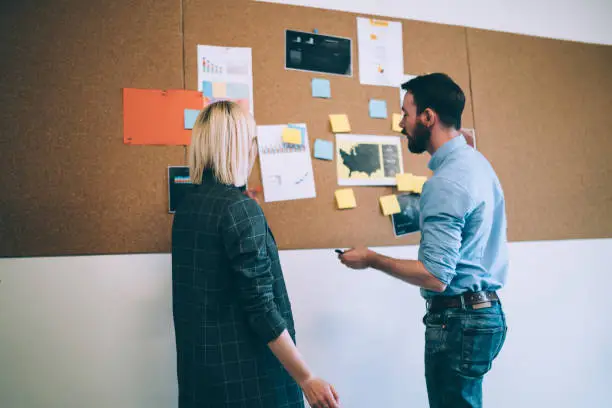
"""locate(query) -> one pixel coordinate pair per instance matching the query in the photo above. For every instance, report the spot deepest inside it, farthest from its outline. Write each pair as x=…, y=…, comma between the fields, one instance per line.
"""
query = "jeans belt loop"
x=462, y=299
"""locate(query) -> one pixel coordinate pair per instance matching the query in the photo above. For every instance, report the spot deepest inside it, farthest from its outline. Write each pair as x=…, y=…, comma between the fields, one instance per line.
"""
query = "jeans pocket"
x=479, y=347
x=433, y=320
x=435, y=333
x=503, y=340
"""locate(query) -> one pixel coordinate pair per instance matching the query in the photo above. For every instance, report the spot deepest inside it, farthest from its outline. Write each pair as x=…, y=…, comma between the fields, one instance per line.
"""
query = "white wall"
x=97, y=331
x=91, y=331
x=576, y=20
x=363, y=329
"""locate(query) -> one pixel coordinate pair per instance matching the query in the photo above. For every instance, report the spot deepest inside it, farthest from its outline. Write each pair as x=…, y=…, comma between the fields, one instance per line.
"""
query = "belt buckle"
x=482, y=305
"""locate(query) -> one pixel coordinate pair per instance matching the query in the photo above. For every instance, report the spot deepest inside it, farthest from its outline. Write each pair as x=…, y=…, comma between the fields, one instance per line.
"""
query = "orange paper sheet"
x=155, y=117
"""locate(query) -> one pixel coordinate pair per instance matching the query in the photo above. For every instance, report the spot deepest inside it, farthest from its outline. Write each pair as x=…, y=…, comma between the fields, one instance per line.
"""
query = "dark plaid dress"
x=229, y=301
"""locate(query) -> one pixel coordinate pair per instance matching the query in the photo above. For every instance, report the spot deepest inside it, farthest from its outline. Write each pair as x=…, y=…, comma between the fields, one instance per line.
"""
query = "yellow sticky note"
x=410, y=182
x=339, y=123
x=345, y=198
x=379, y=23
x=389, y=204
x=404, y=181
x=219, y=90
x=417, y=183
x=395, y=121
x=292, y=136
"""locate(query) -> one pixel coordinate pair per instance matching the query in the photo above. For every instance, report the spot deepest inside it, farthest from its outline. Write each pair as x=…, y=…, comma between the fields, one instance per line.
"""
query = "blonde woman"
x=235, y=336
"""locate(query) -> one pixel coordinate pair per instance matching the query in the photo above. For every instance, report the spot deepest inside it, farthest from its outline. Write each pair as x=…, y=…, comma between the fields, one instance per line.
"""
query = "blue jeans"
x=460, y=346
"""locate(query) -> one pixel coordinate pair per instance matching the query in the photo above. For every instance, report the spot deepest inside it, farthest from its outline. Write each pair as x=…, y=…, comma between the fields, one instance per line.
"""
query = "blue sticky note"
x=207, y=89
x=190, y=117
x=302, y=130
x=237, y=90
x=321, y=88
x=324, y=150
x=378, y=109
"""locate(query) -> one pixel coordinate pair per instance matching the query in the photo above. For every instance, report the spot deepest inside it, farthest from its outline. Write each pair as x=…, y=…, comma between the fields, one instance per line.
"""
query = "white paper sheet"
x=381, y=56
x=366, y=160
x=286, y=171
x=405, y=78
x=226, y=73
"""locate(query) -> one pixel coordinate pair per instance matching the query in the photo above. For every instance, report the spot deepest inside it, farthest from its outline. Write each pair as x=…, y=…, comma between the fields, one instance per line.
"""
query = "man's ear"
x=429, y=117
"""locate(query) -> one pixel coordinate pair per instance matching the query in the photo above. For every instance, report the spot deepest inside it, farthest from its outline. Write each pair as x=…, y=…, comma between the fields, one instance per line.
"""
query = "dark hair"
x=439, y=93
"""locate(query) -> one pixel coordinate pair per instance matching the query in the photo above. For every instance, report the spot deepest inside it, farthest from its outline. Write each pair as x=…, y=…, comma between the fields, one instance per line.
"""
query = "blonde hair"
x=222, y=140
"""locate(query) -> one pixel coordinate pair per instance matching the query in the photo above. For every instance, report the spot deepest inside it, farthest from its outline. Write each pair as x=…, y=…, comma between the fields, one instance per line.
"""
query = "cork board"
x=542, y=110
x=70, y=185
x=284, y=96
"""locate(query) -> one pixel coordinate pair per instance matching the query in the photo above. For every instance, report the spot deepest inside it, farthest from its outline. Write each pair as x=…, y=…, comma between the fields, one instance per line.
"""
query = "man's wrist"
x=371, y=257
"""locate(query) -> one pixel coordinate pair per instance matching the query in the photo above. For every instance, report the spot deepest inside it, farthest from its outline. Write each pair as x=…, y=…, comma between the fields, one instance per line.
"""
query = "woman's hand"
x=252, y=193
x=320, y=394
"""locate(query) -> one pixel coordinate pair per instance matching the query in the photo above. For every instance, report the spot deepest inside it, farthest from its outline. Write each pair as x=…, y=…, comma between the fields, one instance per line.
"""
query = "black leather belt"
x=459, y=301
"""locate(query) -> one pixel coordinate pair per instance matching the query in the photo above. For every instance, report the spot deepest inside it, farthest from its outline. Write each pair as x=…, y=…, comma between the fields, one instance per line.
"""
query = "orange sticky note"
x=395, y=121
x=389, y=204
x=345, y=198
x=339, y=123
x=292, y=136
x=156, y=117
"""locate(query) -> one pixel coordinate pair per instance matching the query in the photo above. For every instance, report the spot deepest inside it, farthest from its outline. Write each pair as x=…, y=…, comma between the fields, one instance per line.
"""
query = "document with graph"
x=286, y=169
x=226, y=73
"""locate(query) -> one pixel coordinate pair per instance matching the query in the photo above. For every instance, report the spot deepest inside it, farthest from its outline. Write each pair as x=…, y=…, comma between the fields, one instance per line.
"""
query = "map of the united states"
x=363, y=158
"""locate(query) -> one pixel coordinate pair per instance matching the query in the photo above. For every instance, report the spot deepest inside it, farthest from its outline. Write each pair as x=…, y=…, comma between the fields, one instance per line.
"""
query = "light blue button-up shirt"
x=463, y=221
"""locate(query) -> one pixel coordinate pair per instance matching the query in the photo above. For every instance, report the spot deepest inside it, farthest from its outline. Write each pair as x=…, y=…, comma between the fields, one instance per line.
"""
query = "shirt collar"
x=445, y=150
x=208, y=175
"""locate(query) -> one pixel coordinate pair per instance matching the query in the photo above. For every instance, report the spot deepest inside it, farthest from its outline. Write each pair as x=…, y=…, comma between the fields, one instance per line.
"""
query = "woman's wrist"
x=303, y=378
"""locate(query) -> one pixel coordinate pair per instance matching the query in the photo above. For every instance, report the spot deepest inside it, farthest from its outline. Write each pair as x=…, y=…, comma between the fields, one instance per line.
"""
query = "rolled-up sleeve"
x=444, y=205
x=244, y=232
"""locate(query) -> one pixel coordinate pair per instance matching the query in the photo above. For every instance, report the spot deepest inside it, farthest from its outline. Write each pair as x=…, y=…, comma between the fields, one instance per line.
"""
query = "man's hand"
x=356, y=258
x=413, y=272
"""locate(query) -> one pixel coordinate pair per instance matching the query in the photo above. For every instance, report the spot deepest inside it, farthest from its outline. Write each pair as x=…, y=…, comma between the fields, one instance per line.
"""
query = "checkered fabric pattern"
x=229, y=301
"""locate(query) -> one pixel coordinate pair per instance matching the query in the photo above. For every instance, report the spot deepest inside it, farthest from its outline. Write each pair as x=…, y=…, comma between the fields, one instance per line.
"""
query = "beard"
x=419, y=139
